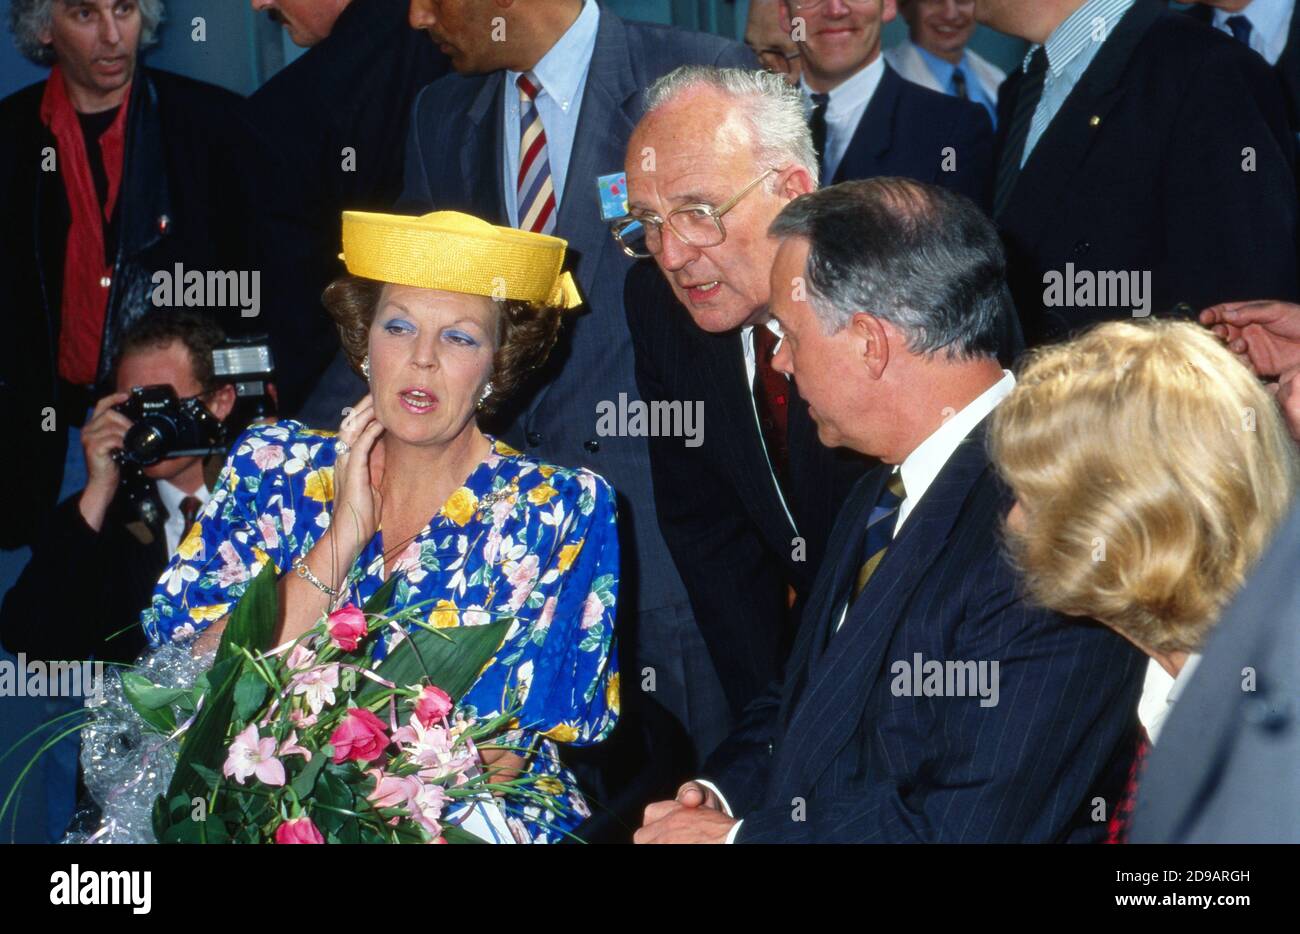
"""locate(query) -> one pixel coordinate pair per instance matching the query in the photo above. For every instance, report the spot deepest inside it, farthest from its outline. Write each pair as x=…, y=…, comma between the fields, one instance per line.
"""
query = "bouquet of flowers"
x=315, y=741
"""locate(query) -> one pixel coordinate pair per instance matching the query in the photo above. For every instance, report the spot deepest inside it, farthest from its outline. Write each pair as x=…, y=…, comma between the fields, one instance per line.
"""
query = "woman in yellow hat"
x=444, y=316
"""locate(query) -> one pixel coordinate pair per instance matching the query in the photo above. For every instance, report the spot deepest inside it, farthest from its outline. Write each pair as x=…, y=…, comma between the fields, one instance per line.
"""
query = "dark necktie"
x=772, y=400
x=817, y=123
x=1031, y=92
x=1240, y=27
x=190, y=507
x=959, y=84
x=880, y=531
x=1121, y=819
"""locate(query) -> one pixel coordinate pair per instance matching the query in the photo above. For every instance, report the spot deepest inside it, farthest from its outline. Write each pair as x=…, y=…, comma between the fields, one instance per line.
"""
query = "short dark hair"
x=159, y=328
x=925, y=259
x=526, y=333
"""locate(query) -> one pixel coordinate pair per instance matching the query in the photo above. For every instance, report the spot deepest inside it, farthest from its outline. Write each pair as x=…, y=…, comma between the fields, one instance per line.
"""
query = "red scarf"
x=86, y=277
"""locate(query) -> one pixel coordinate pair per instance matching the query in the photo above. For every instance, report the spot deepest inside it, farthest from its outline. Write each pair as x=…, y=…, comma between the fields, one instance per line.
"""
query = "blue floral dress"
x=519, y=538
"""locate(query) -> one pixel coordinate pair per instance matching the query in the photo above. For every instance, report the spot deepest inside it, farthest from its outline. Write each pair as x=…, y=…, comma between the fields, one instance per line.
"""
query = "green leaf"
x=454, y=834
x=306, y=780
x=380, y=599
x=450, y=658
x=252, y=625
x=151, y=702
x=250, y=692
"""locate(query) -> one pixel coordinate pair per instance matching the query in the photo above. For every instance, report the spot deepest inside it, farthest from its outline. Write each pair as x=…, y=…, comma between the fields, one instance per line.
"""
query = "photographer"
x=96, y=560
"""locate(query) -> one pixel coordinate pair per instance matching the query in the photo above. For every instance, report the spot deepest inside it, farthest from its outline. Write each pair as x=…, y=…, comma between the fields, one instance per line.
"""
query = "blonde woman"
x=1150, y=469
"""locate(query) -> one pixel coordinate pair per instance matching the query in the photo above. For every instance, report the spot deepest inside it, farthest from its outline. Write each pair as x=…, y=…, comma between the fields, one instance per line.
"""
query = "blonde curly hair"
x=1151, y=468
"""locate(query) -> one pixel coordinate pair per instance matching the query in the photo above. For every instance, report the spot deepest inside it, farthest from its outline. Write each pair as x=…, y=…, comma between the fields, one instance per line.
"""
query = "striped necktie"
x=1022, y=117
x=880, y=530
x=536, y=189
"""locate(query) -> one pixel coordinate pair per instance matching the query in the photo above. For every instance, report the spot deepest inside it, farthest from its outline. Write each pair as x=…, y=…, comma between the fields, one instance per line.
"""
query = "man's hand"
x=695, y=795
x=103, y=435
x=677, y=822
x=1287, y=391
x=1265, y=334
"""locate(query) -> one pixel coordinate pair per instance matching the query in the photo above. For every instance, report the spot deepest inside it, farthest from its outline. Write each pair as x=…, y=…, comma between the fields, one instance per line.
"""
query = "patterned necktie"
x=1031, y=92
x=1121, y=819
x=536, y=189
x=1240, y=27
x=880, y=530
x=959, y=84
x=772, y=400
x=817, y=123
x=190, y=507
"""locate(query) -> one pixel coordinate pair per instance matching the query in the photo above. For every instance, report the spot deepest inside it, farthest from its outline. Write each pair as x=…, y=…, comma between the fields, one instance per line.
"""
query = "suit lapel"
x=1062, y=149
x=875, y=131
x=1288, y=67
x=841, y=680
x=481, y=156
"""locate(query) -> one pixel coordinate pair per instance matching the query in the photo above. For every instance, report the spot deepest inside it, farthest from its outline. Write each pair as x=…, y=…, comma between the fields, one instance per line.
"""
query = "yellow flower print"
x=569, y=554
x=192, y=546
x=540, y=495
x=320, y=485
x=445, y=615
x=550, y=785
x=460, y=506
x=546, y=470
x=611, y=692
x=562, y=733
x=262, y=559
x=216, y=611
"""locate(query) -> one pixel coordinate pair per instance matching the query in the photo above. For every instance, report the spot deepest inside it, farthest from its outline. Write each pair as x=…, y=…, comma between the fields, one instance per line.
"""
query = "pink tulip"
x=392, y=791
x=347, y=627
x=251, y=755
x=298, y=830
x=432, y=705
x=360, y=737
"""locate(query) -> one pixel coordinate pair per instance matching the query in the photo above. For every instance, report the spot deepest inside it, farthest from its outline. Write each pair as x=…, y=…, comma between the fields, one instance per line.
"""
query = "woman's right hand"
x=358, y=473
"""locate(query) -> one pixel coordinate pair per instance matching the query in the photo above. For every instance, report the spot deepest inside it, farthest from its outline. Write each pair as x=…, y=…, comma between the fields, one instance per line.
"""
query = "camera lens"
x=146, y=441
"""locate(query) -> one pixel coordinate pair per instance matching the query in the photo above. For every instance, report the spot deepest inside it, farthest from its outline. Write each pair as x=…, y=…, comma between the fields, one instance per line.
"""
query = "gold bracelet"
x=300, y=566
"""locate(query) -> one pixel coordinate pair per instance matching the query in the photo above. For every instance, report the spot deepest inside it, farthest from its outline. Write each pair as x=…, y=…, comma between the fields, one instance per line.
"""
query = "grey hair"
x=926, y=260
x=773, y=109
x=29, y=18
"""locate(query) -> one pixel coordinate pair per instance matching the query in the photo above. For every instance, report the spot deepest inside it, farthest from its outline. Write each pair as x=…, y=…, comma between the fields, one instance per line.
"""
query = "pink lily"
x=251, y=755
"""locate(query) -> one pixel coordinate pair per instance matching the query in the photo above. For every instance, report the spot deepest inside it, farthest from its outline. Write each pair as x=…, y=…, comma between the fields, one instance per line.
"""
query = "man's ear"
x=223, y=402
x=787, y=21
x=797, y=182
x=872, y=339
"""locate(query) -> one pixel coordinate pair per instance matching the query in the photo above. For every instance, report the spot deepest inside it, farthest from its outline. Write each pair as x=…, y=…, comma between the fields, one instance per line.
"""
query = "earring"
x=483, y=397
x=365, y=367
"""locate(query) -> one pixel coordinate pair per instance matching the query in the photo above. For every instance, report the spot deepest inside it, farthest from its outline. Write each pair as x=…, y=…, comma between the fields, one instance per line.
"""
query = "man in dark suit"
x=867, y=120
x=1271, y=28
x=745, y=508
x=1147, y=173
x=531, y=132
x=924, y=699
x=1227, y=767
x=335, y=123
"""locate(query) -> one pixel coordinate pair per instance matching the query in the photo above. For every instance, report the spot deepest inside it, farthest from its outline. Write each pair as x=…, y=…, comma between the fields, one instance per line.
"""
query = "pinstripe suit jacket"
x=835, y=754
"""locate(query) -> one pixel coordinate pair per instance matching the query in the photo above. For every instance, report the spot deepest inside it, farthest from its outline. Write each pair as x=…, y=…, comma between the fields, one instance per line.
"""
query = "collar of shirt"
x=1270, y=25
x=1157, y=712
x=921, y=466
x=844, y=111
x=171, y=496
x=562, y=73
x=1072, y=45
x=942, y=69
x=747, y=345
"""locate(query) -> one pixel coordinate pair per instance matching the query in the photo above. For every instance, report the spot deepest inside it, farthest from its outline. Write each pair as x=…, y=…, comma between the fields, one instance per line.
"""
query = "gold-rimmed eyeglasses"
x=699, y=225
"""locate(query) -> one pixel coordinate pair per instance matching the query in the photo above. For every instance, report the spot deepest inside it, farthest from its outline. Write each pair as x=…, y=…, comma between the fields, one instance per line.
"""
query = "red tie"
x=772, y=399
x=1118, y=827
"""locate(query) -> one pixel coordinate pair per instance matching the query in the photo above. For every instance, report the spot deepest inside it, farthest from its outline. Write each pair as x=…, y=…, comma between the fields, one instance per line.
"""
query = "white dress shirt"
x=1270, y=24
x=920, y=468
x=1160, y=692
x=844, y=112
x=174, y=526
x=751, y=370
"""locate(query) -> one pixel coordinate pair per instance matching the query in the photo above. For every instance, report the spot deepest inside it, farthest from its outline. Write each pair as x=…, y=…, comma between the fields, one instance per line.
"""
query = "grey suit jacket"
x=1226, y=768
x=453, y=162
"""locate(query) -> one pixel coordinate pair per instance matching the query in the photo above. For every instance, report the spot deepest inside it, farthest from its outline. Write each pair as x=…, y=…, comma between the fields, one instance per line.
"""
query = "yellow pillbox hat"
x=458, y=253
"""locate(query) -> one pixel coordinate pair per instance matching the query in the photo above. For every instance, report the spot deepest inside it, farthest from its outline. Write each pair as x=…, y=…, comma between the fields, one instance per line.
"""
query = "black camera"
x=167, y=426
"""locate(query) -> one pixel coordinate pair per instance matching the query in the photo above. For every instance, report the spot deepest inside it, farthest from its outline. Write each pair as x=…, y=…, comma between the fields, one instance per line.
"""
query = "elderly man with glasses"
x=746, y=510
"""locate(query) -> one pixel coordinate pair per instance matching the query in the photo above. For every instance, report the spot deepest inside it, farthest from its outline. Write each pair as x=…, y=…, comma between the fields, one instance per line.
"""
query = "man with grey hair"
x=110, y=172
x=745, y=509
x=924, y=700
